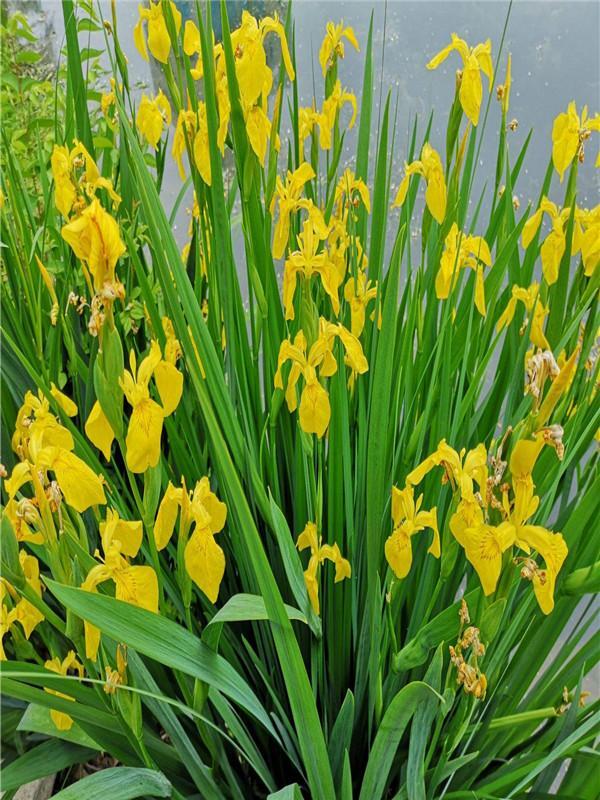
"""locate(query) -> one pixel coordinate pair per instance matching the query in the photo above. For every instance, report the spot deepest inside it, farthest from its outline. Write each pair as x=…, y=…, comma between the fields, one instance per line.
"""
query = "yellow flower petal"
x=205, y=562
x=98, y=430
x=143, y=436
x=67, y=405
x=315, y=411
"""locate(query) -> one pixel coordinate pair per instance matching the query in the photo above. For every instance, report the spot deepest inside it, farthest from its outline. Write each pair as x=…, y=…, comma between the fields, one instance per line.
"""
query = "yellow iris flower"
x=192, y=128
x=332, y=46
x=554, y=245
x=586, y=238
x=63, y=721
x=331, y=108
x=358, y=293
x=146, y=422
x=429, y=167
x=475, y=60
x=319, y=553
x=306, y=262
x=137, y=585
x=569, y=132
x=204, y=559
x=95, y=239
x=153, y=116
x=352, y=190
x=158, y=39
x=408, y=519
x=315, y=410
x=462, y=251
x=43, y=445
x=76, y=178
x=532, y=302
x=288, y=198
x=23, y=612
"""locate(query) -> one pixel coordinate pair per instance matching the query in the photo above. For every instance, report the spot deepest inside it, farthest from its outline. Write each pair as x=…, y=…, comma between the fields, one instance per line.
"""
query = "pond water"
x=555, y=58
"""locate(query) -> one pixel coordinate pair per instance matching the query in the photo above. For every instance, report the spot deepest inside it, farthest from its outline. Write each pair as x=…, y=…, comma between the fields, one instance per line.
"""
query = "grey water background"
x=555, y=59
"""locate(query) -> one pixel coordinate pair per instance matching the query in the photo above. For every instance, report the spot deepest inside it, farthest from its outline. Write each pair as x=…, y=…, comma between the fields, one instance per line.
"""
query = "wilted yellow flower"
x=569, y=134
x=306, y=262
x=332, y=46
x=152, y=117
x=319, y=553
x=25, y=518
x=117, y=677
x=503, y=90
x=63, y=721
x=315, y=410
x=95, y=239
x=532, y=302
x=475, y=60
x=408, y=519
x=430, y=167
x=146, y=422
x=137, y=585
x=555, y=243
x=159, y=41
x=462, y=251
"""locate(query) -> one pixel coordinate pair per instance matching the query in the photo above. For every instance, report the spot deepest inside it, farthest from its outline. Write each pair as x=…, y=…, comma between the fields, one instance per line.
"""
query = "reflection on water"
x=554, y=51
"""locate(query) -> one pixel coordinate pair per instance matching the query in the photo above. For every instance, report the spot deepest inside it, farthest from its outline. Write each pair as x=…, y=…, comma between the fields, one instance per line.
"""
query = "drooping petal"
x=205, y=562
x=98, y=430
x=137, y=585
x=169, y=382
x=398, y=552
x=79, y=484
x=167, y=516
x=315, y=411
x=143, y=436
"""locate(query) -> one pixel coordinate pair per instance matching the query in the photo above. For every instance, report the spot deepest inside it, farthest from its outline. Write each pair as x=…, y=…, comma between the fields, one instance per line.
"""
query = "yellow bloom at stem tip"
x=95, y=239
x=569, y=133
x=315, y=409
x=332, y=46
x=204, y=559
x=135, y=584
x=152, y=117
x=63, y=721
x=146, y=422
x=533, y=303
x=156, y=38
x=475, y=60
x=463, y=251
x=288, y=198
x=429, y=167
x=44, y=445
x=319, y=553
x=408, y=519
x=554, y=245
x=306, y=262
x=24, y=612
